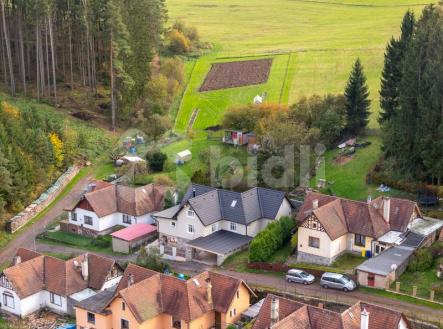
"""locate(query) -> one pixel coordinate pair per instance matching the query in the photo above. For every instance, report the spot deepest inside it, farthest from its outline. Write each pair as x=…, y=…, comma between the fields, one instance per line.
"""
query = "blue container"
x=67, y=326
x=132, y=149
x=368, y=254
x=181, y=276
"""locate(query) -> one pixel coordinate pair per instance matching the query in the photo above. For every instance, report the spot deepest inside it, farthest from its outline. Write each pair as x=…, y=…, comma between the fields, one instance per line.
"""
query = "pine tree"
x=392, y=70
x=357, y=99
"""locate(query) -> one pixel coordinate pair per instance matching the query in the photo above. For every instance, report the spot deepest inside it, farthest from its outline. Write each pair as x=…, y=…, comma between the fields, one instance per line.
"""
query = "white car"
x=299, y=276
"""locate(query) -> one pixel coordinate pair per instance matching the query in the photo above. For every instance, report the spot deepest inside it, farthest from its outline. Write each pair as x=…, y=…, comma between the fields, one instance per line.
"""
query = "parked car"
x=337, y=281
x=299, y=276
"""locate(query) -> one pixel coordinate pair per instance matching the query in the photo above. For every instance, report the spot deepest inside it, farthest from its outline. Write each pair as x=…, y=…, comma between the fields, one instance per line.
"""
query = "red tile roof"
x=339, y=216
x=56, y=275
x=134, y=232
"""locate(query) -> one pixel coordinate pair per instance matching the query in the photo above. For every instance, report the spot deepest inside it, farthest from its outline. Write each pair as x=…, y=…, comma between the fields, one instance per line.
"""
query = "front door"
x=218, y=320
x=371, y=279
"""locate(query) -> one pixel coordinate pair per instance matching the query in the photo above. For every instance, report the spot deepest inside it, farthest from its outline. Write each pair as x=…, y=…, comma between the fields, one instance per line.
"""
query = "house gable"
x=313, y=223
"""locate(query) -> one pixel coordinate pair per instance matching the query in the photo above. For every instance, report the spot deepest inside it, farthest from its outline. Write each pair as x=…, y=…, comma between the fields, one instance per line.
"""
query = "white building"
x=210, y=224
x=108, y=205
x=34, y=281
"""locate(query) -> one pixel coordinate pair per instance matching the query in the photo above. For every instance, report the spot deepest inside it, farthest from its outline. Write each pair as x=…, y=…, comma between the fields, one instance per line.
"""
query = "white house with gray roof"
x=210, y=224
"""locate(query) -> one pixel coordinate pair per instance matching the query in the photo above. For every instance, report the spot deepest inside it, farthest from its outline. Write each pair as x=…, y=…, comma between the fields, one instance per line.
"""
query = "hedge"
x=271, y=239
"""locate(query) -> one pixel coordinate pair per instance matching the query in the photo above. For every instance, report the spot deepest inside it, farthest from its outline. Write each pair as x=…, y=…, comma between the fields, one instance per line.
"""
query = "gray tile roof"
x=413, y=240
x=212, y=205
x=221, y=242
x=97, y=303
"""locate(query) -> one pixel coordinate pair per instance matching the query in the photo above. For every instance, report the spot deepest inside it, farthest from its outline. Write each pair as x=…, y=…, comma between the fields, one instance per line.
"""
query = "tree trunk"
x=8, y=50
x=70, y=46
x=22, y=51
x=51, y=38
x=111, y=72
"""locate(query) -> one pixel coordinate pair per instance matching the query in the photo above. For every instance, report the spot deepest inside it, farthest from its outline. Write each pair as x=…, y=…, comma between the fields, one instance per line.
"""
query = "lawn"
x=102, y=244
x=212, y=104
x=345, y=263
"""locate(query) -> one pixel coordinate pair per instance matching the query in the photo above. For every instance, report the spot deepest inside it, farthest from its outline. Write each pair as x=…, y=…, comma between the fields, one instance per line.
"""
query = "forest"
x=411, y=99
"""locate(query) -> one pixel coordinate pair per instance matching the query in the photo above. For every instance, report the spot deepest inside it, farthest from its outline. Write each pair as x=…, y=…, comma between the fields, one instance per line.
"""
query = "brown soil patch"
x=237, y=74
x=343, y=160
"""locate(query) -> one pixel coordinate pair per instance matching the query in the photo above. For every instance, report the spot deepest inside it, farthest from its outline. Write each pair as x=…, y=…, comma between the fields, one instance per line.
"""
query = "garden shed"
x=183, y=156
x=132, y=237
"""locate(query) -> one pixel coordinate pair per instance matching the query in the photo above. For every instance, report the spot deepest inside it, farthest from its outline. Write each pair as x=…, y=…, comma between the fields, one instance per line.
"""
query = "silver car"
x=299, y=276
x=337, y=281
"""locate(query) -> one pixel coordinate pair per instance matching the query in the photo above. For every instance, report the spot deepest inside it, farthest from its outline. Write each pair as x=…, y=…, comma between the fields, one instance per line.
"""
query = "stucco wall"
x=204, y=322
x=324, y=249
x=118, y=314
x=162, y=321
x=101, y=321
x=240, y=304
x=353, y=247
x=380, y=281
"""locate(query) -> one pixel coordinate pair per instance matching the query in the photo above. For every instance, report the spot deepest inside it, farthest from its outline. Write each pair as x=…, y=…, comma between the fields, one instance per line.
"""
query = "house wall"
x=403, y=324
x=55, y=308
x=120, y=245
x=321, y=255
x=240, y=304
x=17, y=310
x=118, y=314
x=101, y=321
x=205, y=321
x=355, y=248
x=162, y=321
x=285, y=209
x=380, y=281
x=257, y=226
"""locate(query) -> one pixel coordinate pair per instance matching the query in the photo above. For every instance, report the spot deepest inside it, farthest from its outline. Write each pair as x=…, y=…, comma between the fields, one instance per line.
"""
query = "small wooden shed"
x=131, y=237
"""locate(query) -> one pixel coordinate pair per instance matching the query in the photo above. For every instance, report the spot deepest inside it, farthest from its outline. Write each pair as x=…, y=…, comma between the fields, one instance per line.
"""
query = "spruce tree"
x=392, y=70
x=357, y=100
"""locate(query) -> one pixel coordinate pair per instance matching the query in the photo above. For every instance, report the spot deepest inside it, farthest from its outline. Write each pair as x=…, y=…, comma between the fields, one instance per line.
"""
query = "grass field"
x=212, y=104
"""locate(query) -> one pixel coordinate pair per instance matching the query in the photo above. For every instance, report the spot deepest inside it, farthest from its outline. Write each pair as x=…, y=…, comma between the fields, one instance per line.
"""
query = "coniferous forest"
x=412, y=99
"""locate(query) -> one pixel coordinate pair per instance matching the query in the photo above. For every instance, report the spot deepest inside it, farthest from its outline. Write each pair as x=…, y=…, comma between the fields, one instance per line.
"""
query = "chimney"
x=364, y=319
x=386, y=208
x=315, y=204
x=130, y=280
x=321, y=305
x=274, y=311
x=193, y=192
x=209, y=290
x=17, y=260
x=85, y=268
x=369, y=200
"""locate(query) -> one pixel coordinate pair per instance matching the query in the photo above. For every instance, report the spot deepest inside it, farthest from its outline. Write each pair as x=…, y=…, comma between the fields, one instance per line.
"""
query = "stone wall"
x=19, y=220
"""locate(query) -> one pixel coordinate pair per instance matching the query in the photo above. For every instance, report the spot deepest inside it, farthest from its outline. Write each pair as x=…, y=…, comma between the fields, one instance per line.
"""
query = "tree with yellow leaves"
x=57, y=146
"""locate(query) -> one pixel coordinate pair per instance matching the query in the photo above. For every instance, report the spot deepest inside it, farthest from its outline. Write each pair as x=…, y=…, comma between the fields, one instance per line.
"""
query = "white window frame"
x=53, y=300
x=173, y=224
x=191, y=229
x=7, y=296
x=190, y=213
x=312, y=245
x=214, y=227
x=126, y=219
x=73, y=216
x=233, y=226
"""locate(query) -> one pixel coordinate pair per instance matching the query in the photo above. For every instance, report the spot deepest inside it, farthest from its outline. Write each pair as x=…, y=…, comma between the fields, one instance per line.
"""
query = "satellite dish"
x=393, y=267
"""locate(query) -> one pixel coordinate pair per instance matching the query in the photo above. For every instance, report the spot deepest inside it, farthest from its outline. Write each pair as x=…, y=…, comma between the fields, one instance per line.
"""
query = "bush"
x=151, y=260
x=271, y=239
x=294, y=241
x=156, y=160
x=102, y=241
x=178, y=43
x=421, y=261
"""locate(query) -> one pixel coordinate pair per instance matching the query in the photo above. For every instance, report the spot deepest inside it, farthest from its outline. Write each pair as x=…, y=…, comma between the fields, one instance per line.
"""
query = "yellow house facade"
x=158, y=301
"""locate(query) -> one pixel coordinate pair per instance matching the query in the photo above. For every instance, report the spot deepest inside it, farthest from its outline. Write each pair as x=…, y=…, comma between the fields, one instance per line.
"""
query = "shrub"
x=294, y=241
x=271, y=239
x=178, y=43
x=163, y=180
x=102, y=241
x=421, y=261
x=151, y=260
x=156, y=160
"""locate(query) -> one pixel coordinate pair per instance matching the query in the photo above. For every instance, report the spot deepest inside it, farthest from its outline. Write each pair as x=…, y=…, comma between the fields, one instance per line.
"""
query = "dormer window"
x=191, y=213
x=233, y=203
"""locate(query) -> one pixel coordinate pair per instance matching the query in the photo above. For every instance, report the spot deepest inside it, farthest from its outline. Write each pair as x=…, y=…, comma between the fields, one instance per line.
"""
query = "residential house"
x=34, y=281
x=106, y=205
x=235, y=137
x=145, y=299
x=330, y=226
x=210, y=224
x=282, y=313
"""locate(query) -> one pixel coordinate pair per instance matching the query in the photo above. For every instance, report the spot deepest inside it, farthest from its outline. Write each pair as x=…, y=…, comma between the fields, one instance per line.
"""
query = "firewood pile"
x=38, y=320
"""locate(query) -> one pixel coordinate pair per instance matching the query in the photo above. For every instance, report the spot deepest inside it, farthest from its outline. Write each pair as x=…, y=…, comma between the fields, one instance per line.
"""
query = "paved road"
x=26, y=238
x=275, y=283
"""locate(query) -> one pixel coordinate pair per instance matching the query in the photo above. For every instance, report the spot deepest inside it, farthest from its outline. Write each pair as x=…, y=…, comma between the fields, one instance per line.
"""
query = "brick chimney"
x=274, y=310
x=85, y=268
x=364, y=319
x=17, y=260
x=208, y=291
x=386, y=209
x=315, y=204
x=130, y=280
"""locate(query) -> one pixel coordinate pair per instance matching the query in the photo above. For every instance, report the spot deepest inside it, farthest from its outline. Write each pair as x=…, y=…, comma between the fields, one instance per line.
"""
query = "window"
x=233, y=226
x=74, y=216
x=191, y=213
x=214, y=227
x=359, y=240
x=88, y=220
x=127, y=219
x=124, y=324
x=314, y=242
x=123, y=306
x=190, y=228
x=8, y=300
x=233, y=312
x=91, y=318
x=173, y=223
x=55, y=299
x=238, y=294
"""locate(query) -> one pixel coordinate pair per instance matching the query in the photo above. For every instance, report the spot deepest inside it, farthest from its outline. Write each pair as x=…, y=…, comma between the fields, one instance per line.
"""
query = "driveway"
x=279, y=284
x=26, y=238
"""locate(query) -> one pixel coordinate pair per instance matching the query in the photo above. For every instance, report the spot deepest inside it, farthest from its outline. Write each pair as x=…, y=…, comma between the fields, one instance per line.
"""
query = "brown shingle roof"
x=26, y=254
x=137, y=273
x=128, y=200
x=56, y=275
x=339, y=216
x=185, y=300
x=310, y=317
